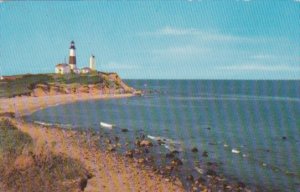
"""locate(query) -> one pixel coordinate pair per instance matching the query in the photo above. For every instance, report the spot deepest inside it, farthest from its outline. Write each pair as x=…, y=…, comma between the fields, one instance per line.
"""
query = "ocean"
x=250, y=128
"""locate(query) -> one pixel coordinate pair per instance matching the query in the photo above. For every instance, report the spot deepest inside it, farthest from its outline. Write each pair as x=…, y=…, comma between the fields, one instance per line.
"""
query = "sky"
x=193, y=39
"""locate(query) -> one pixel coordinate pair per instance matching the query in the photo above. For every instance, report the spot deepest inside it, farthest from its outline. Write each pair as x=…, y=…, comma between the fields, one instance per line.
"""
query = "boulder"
x=146, y=143
x=170, y=155
x=83, y=183
x=211, y=172
x=124, y=130
x=175, y=152
x=146, y=150
x=241, y=184
x=129, y=153
x=190, y=178
x=141, y=161
x=149, y=159
x=169, y=168
x=194, y=150
x=160, y=142
x=111, y=148
x=176, y=162
x=205, y=154
x=137, y=143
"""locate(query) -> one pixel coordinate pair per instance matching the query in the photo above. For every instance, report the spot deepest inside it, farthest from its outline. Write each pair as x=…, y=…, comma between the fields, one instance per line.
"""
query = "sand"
x=111, y=172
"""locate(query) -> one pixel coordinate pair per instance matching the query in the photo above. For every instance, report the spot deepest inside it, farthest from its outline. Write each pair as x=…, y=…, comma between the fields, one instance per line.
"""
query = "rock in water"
x=194, y=150
x=211, y=172
x=205, y=154
x=124, y=130
x=170, y=155
x=146, y=143
x=190, y=178
x=138, y=143
x=176, y=162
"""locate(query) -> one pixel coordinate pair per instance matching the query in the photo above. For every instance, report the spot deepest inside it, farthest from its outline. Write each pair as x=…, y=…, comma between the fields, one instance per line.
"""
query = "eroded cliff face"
x=110, y=84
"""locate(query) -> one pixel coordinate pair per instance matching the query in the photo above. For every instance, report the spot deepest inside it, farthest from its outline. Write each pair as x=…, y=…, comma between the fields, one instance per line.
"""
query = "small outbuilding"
x=76, y=70
x=62, y=68
x=86, y=70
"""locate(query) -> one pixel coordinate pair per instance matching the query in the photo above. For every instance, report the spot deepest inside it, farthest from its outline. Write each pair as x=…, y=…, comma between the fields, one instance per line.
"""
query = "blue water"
x=251, y=117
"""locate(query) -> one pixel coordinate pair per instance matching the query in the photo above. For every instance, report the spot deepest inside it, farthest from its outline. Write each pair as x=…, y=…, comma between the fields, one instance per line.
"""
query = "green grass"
x=48, y=172
x=22, y=85
x=80, y=79
x=12, y=141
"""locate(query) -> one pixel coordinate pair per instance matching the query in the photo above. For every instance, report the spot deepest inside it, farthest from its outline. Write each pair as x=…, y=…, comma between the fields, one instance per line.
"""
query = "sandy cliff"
x=110, y=84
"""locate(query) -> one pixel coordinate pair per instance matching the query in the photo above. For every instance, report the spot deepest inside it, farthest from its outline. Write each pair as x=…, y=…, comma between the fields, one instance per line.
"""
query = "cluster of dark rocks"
x=171, y=169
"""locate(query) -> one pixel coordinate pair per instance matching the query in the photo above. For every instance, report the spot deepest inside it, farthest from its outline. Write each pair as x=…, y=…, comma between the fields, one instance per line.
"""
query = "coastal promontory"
x=56, y=84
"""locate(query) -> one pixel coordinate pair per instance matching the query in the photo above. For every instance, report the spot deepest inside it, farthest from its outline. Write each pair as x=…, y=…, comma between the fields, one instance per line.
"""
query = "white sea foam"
x=164, y=139
x=235, y=151
x=43, y=123
x=199, y=170
x=53, y=124
x=169, y=144
x=237, y=97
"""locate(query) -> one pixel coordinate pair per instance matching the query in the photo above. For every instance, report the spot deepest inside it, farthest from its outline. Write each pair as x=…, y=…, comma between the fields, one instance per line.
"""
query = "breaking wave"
x=168, y=143
x=47, y=124
x=237, y=97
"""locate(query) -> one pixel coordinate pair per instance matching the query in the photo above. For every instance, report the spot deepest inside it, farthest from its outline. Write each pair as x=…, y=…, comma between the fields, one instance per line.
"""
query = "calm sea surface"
x=251, y=128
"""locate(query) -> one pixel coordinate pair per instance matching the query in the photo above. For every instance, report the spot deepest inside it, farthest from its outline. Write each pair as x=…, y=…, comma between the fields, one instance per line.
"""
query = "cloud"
x=119, y=66
x=193, y=32
x=182, y=50
x=260, y=67
x=176, y=31
x=264, y=57
x=298, y=1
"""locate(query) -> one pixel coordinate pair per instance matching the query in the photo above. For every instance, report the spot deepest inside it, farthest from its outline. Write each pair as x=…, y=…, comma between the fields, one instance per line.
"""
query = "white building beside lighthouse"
x=62, y=68
x=92, y=63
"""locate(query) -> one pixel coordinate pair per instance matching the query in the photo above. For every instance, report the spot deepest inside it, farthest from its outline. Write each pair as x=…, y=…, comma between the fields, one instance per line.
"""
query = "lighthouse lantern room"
x=72, y=56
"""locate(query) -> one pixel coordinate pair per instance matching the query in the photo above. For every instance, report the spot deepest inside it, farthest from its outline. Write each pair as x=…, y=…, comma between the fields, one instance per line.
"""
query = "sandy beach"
x=25, y=105
x=110, y=171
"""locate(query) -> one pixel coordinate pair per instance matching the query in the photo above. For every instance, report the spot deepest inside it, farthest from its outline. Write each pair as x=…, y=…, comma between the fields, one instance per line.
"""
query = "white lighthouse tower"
x=72, y=56
x=92, y=62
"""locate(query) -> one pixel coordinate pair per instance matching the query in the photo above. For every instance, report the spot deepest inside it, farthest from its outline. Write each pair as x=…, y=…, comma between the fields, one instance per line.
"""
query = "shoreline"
x=111, y=171
x=25, y=105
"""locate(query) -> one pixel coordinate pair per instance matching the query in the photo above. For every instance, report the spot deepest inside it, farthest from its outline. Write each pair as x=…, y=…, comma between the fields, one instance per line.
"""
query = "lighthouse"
x=72, y=56
x=92, y=62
